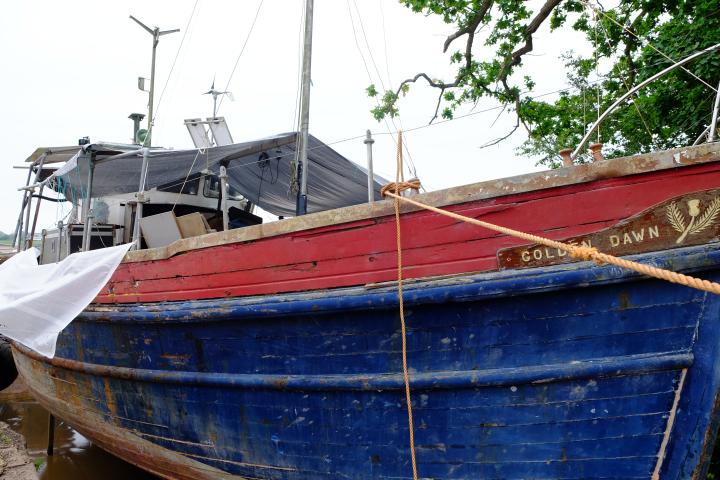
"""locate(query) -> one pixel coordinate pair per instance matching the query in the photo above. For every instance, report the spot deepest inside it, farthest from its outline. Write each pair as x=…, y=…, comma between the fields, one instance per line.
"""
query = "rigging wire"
x=296, y=113
x=411, y=129
x=644, y=41
x=627, y=85
x=387, y=61
x=387, y=71
x=388, y=133
x=367, y=45
x=237, y=60
x=702, y=118
x=410, y=163
x=182, y=187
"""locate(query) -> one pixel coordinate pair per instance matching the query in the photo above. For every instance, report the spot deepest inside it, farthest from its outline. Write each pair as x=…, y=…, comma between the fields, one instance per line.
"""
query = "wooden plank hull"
x=274, y=351
x=559, y=372
x=342, y=254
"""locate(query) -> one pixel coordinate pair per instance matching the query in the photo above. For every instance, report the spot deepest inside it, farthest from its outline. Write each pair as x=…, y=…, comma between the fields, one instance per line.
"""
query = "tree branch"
x=441, y=85
x=500, y=139
x=469, y=30
x=532, y=27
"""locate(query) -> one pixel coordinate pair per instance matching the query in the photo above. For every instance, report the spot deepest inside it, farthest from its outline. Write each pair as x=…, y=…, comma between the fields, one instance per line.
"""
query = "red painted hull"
x=362, y=252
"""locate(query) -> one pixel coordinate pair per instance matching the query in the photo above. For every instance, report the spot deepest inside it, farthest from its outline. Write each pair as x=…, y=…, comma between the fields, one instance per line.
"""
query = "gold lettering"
x=653, y=232
x=561, y=253
x=537, y=254
x=587, y=243
x=525, y=256
x=639, y=236
x=548, y=254
x=626, y=239
x=614, y=240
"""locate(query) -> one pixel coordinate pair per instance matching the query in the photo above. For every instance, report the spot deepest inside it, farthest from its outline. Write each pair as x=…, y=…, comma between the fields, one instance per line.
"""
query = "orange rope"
x=576, y=251
x=398, y=187
x=395, y=189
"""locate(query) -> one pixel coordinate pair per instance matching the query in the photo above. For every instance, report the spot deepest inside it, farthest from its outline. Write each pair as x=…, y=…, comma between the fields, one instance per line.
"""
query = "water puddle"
x=75, y=458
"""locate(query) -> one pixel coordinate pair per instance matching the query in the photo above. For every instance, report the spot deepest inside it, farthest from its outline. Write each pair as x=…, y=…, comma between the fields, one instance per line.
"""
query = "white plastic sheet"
x=38, y=301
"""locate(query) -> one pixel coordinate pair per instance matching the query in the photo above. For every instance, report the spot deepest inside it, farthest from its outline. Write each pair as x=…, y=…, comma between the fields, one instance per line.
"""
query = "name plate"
x=690, y=219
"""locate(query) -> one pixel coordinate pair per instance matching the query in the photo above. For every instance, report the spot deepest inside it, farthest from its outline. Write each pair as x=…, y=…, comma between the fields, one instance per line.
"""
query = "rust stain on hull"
x=708, y=442
x=118, y=441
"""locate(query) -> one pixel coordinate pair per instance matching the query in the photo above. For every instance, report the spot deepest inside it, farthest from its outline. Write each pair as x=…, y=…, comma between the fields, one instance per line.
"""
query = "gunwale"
x=535, y=181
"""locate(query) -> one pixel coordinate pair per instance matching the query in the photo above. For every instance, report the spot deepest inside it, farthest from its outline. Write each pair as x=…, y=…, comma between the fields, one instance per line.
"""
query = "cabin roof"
x=261, y=170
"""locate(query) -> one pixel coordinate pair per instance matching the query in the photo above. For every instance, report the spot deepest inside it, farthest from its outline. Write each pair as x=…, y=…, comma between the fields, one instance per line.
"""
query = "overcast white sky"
x=70, y=70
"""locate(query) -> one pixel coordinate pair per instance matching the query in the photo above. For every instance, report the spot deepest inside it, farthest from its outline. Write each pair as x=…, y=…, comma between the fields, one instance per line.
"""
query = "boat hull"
x=570, y=371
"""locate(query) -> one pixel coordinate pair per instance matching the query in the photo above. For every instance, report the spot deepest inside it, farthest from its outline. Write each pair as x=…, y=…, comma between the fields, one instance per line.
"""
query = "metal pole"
x=223, y=197
x=156, y=33
x=140, y=200
x=156, y=39
x=58, y=257
x=28, y=207
x=713, y=124
x=43, y=238
x=35, y=217
x=87, y=217
x=632, y=91
x=371, y=178
x=29, y=201
x=86, y=201
x=301, y=208
x=17, y=239
x=51, y=435
x=87, y=231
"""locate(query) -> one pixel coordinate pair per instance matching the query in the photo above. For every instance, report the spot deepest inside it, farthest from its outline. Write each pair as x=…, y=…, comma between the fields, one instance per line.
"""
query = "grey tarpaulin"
x=260, y=170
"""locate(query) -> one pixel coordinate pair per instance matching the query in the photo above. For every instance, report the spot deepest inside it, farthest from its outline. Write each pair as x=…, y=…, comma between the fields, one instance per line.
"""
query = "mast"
x=156, y=33
x=301, y=206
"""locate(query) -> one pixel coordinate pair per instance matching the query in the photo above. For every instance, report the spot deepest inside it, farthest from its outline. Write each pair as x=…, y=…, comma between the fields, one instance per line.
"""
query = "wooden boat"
x=273, y=351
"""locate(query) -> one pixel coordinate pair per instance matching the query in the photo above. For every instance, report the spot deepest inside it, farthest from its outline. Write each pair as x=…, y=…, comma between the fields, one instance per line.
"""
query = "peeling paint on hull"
x=559, y=372
x=273, y=351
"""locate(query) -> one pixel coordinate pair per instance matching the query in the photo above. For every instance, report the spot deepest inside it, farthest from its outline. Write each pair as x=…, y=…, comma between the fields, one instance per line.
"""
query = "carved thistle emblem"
x=699, y=221
x=682, y=221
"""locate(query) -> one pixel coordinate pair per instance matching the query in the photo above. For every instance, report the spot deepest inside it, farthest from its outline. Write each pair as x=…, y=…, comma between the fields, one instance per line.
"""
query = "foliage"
x=4, y=236
x=670, y=112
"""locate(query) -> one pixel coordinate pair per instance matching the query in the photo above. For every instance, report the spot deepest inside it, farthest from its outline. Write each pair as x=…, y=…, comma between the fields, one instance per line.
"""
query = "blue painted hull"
x=560, y=372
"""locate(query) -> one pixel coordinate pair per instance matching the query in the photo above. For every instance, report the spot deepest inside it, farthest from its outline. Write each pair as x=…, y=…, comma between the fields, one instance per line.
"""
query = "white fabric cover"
x=38, y=301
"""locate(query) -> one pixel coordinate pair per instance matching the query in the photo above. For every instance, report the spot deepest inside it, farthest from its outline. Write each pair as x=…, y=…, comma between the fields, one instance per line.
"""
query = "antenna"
x=156, y=33
x=217, y=93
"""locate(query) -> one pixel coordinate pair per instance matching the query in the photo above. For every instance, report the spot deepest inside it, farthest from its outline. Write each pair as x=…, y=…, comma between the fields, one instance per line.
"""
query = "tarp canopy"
x=261, y=170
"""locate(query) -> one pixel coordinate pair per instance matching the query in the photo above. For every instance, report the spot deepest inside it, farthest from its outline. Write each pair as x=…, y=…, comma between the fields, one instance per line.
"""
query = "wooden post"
x=51, y=435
